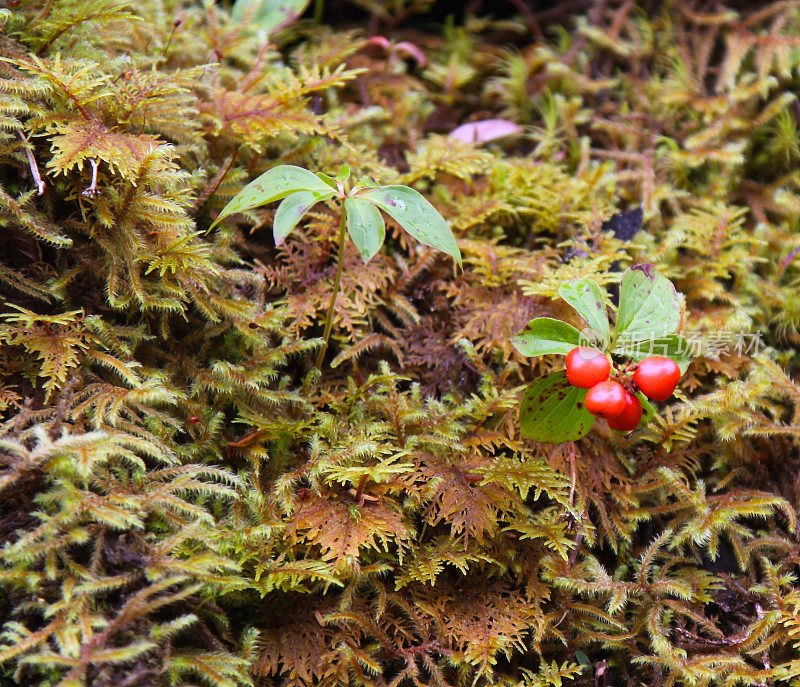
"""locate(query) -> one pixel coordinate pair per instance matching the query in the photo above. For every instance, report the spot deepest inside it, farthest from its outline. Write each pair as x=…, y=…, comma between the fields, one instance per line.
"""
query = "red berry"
x=606, y=399
x=630, y=417
x=657, y=377
x=586, y=367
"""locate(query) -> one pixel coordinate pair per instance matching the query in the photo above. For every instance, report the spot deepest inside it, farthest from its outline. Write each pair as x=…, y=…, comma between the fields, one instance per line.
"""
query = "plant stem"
x=319, y=11
x=37, y=179
x=326, y=335
x=783, y=264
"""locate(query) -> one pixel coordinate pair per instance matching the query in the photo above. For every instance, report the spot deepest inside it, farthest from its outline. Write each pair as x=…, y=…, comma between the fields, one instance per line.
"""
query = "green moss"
x=184, y=498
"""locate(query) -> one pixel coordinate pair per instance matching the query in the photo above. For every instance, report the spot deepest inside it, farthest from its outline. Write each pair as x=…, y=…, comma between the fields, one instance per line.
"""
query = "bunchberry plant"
x=360, y=205
x=650, y=358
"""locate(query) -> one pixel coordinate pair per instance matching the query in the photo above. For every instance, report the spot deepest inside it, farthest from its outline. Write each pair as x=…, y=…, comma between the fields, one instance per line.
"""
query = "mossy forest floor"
x=186, y=500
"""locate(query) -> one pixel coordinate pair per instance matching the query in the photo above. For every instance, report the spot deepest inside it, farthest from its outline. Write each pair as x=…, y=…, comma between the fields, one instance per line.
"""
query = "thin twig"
x=560, y=11
x=246, y=81
x=90, y=190
x=594, y=17
x=326, y=335
x=319, y=11
x=783, y=264
x=32, y=163
x=573, y=555
x=175, y=26
x=619, y=19
x=45, y=11
x=215, y=182
x=62, y=407
x=530, y=18
x=15, y=425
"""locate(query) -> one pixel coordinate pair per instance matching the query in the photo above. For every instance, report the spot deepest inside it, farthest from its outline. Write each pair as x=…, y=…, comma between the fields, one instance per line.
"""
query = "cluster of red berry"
x=615, y=399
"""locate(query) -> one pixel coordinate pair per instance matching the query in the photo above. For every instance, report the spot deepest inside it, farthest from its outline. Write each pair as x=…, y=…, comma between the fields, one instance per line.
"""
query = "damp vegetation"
x=237, y=449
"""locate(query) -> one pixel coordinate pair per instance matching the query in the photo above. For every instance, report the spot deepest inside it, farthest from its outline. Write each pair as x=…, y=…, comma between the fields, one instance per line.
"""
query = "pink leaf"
x=381, y=41
x=485, y=130
x=412, y=51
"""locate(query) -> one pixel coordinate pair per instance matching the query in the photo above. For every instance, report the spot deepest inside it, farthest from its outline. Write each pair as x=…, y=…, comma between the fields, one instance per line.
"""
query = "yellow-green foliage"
x=185, y=500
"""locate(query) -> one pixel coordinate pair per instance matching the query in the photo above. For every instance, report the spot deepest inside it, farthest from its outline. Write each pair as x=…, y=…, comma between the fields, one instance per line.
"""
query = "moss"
x=185, y=498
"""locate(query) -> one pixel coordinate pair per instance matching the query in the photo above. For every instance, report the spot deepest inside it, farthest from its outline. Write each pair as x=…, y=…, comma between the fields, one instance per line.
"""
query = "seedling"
x=360, y=206
x=562, y=406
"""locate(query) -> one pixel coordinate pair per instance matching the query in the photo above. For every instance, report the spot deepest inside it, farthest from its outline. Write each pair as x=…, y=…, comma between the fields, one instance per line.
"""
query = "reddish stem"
x=783, y=264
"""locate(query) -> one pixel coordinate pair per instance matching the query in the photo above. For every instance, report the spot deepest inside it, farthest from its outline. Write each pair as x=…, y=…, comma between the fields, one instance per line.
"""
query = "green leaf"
x=291, y=211
x=366, y=182
x=267, y=15
x=365, y=226
x=328, y=180
x=344, y=173
x=649, y=306
x=553, y=410
x=586, y=297
x=647, y=410
x=412, y=211
x=545, y=335
x=273, y=185
x=673, y=346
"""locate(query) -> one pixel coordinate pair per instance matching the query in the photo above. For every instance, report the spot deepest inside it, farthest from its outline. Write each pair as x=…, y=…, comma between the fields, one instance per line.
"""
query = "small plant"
x=562, y=406
x=360, y=206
